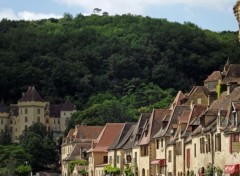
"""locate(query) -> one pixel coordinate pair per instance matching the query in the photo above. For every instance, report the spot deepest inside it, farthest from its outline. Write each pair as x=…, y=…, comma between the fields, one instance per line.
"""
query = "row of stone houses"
x=30, y=109
x=200, y=129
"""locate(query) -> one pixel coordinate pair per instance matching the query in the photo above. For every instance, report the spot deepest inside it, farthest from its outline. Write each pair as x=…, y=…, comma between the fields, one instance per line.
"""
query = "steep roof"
x=108, y=135
x=123, y=137
x=178, y=111
x=55, y=109
x=88, y=132
x=233, y=74
x=153, y=125
x=74, y=154
x=178, y=100
x=31, y=95
x=137, y=131
x=224, y=100
x=215, y=76
x=3, y=107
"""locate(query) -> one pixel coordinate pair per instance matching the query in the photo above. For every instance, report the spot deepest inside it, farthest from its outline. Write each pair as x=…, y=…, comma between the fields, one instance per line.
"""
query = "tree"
x=36, y=140
x=23, y=170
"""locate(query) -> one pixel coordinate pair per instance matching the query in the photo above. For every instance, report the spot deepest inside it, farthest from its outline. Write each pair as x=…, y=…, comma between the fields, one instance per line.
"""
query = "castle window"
x=47, y=121
x=26, y=111
x=58, y=121
x=1, y=121
x=38, y=111
x=26, y=119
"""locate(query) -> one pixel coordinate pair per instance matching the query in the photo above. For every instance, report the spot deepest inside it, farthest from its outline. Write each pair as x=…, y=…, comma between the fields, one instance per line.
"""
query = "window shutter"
x=188, y=158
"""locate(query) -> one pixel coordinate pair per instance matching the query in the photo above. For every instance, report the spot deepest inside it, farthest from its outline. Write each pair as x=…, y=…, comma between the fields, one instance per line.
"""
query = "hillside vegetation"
x=114, y=66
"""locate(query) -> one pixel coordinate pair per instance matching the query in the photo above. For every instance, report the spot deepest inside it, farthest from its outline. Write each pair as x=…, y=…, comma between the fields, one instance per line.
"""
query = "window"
x=58, y=121
x=1, y=121
x=54, y=121
x=38, y=119
x=157, y=143
x=105, y=159
x=169, y=156
x=179, y=148
x=26, y=110
x=202, y=145
x=129, y=158
x=208, y=144
x=26, y=119
x=144, y=150
x=117, y=159
x=218, y=142
x=161, y=142
x=110, y=159
x=47, y=120
x=38, y=111
x=234, y=143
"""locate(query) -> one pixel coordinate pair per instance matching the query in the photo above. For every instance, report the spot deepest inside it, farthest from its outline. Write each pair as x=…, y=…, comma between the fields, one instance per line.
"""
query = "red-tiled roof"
x=233, y=74
x=88, y=132
x=110, y=132
x=31, y=95
x=185, y=117
x=215, y=76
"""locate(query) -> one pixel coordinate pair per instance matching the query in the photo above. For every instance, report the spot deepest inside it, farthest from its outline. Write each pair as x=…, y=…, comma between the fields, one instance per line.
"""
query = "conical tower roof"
x=3, y=107
x=31, y=95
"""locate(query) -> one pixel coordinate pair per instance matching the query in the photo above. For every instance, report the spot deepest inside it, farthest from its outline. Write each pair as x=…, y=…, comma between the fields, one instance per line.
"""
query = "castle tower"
x=236, y=10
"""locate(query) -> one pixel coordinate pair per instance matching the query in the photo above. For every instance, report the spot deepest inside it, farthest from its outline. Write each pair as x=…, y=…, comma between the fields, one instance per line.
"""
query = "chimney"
x=231, y=86
x=212, y=96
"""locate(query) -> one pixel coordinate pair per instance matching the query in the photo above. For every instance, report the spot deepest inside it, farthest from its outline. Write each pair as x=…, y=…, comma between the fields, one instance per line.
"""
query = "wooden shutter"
x=188, y=158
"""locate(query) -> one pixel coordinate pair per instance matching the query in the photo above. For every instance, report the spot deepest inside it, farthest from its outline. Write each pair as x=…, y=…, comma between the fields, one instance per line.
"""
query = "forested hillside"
x=100, y=62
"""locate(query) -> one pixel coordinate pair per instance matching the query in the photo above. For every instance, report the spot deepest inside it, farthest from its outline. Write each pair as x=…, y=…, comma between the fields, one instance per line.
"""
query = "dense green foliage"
x=40, y=146
x=111, y=67
x=77, y=57
x=11, y=157
x=23, y=170
x=71, y=164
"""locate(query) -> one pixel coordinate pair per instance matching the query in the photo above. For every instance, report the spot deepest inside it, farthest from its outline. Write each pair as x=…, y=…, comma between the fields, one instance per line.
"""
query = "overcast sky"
x=216, y=15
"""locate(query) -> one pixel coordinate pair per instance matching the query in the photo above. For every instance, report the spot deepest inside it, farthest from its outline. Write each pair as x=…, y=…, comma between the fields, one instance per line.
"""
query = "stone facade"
x=30, y=109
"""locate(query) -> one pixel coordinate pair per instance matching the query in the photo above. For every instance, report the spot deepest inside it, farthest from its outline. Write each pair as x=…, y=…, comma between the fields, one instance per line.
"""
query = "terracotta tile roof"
x=123, y=137
x=153, y=125
x=88, y=132
x=137, y=131
x=108, y=135
x=31, y=95
x=215, y=76
x=185, y=117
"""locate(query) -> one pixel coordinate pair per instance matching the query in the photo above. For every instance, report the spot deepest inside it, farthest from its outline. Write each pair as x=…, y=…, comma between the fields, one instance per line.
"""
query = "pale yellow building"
x=30, y=109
